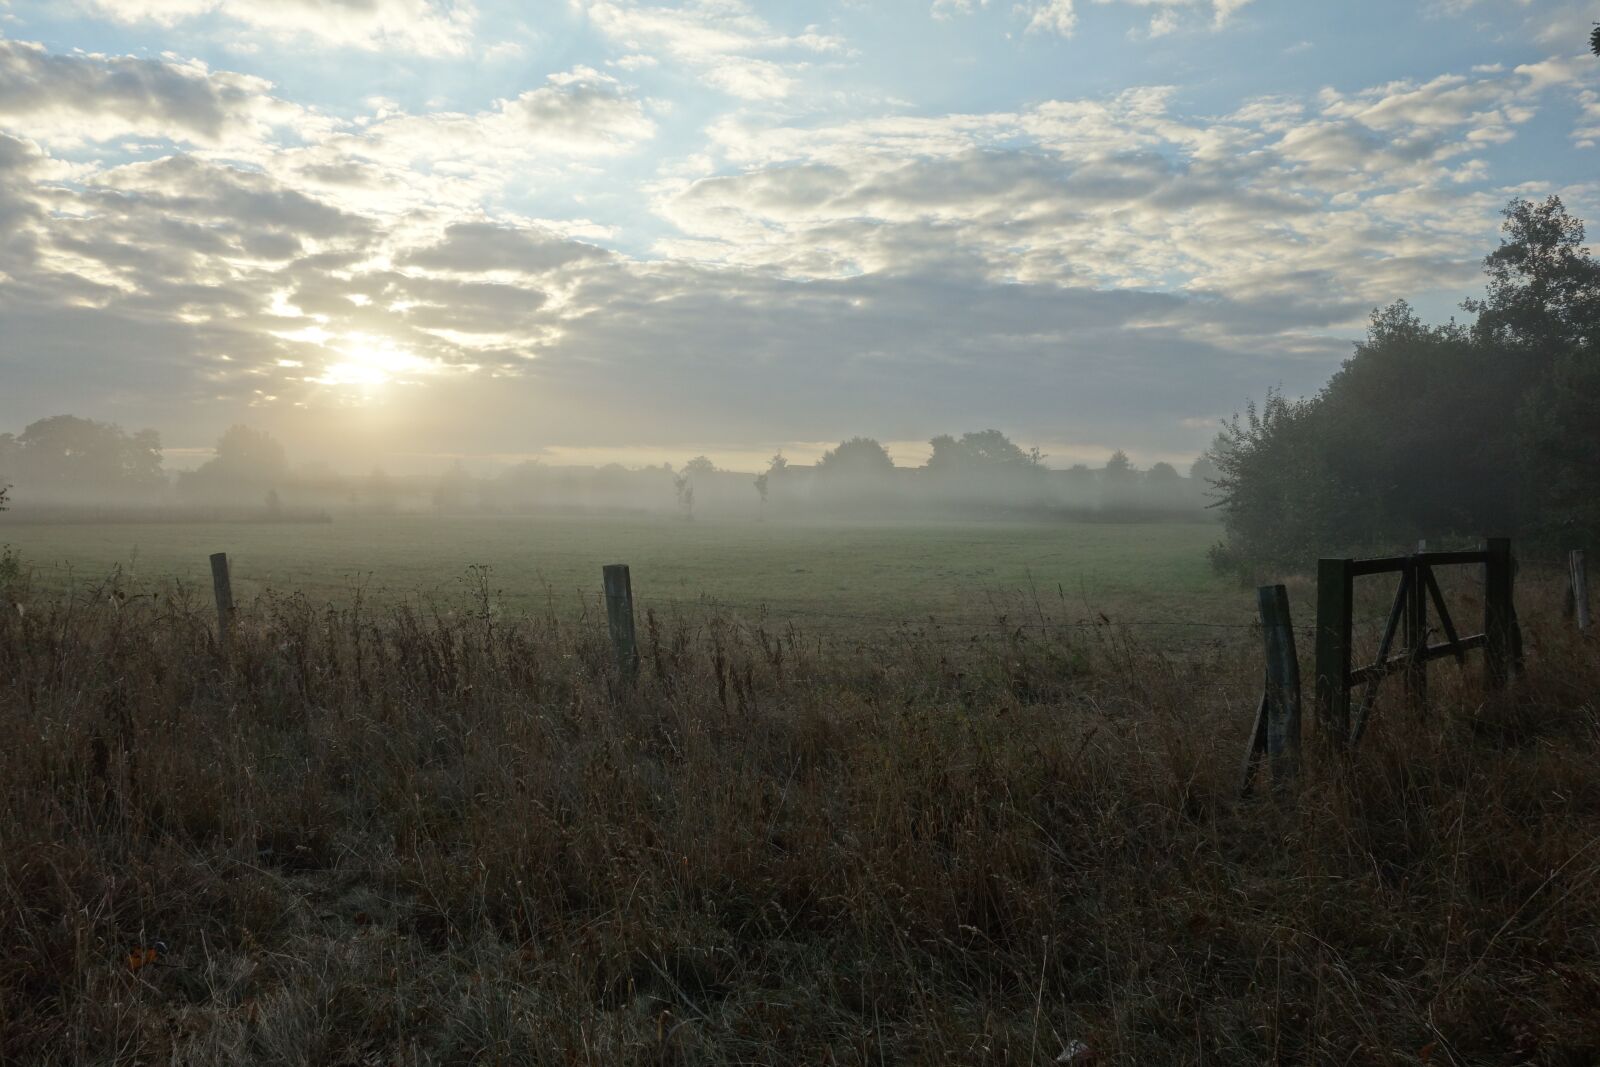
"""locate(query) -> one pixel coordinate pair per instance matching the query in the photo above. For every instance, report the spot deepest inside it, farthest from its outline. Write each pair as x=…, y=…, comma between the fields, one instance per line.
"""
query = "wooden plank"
x=1382, y=565
x=1450, y=559
x=1458, y=649
x=1334, y=591
x=1384, y=666
x=1257, y=747
x=1283, y=683
x=1444, y=617
x=619, y=617
x=1373, y=671
x=222, y=586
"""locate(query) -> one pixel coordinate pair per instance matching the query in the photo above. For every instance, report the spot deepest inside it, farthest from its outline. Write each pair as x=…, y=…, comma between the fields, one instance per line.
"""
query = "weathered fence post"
x=222, y=585
x=1416, y=616
x=1499, y=614
x=1578, y=589
x=619, y=614
x=1335, y=590
x=1283, y=683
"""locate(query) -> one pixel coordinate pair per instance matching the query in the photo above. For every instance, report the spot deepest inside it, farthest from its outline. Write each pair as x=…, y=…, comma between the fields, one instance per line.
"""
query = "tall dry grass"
x=422, y=836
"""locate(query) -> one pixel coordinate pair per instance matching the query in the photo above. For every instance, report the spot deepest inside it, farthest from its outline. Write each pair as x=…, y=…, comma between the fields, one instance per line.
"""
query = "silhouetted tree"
x=699, y=467
x=986, y=450
x=64, y=454
x=857, y=457
x=247, y=461
x=683, y=486
x=1428, y=431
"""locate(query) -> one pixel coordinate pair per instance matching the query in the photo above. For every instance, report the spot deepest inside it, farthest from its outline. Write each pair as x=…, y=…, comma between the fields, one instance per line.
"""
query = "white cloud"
x=1052, y=16
x=65, y=99
x=738, y=51
x=439, y=27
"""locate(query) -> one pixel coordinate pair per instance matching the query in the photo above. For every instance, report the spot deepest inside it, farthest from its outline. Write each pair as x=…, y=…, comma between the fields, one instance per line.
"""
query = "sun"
x=368, y=362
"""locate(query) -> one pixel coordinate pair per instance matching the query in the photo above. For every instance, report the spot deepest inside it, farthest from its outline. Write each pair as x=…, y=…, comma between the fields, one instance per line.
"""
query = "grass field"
x=350, y=837
x=836, y=575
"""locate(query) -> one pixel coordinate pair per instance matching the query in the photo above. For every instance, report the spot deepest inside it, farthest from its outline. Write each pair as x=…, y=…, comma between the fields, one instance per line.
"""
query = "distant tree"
x=699, y=467
x=986, y=450
x=1203, y=471
x=274, y=504
x=684, y=487
x=1163, y=475
x=246, y=461
x=777, y=464
x=64, y=453
x=761, y=490
x=5, y=497
x=857, y=457
x=1119, y=482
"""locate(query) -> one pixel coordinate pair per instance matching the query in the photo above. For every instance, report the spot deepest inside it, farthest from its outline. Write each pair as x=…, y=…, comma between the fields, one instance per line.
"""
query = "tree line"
x=66, y=461
x=1434, y=431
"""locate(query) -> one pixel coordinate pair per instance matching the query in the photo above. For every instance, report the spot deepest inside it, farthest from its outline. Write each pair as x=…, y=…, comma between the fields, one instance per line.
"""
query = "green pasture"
x=826, y=573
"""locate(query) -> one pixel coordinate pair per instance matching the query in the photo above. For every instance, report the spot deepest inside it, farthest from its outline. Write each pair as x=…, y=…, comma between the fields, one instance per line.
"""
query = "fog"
x=65, y=468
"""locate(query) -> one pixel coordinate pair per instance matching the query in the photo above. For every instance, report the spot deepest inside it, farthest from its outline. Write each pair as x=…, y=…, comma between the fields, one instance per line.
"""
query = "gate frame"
x=1336, y=680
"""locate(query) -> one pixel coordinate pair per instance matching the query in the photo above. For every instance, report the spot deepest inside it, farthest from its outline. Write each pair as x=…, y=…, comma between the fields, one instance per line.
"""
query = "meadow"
x=437, y=830
x=836, y=575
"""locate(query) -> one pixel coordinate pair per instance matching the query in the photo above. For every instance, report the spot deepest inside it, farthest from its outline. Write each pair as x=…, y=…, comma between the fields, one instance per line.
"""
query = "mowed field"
x=820, y=575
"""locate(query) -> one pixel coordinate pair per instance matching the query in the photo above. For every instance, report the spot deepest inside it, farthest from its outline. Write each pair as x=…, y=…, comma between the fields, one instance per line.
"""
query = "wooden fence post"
x=619, y=614
x=1283, y=684
x=222, y=585
x=1416, y=616
x=1578, y=589
x=1335, y=590
x=1499, y=614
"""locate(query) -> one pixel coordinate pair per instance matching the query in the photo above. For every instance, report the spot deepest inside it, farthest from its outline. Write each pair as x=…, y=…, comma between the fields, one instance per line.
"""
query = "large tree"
x=65, y=456
x=248, y=463
x=1434, y=430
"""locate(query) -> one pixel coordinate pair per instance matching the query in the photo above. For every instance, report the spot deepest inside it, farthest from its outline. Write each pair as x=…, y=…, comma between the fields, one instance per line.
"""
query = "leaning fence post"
x=619, y=615
x=1499, y=613
x=1578, y=589
x=1283, y=683
x=223, y=587
x=1335, y=589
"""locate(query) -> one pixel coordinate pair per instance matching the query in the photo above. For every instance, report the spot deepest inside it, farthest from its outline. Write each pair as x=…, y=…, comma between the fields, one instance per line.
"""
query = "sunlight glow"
x=369, y=362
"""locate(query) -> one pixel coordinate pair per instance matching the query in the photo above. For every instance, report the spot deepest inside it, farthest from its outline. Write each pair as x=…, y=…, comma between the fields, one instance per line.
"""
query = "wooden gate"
x=1343, y=712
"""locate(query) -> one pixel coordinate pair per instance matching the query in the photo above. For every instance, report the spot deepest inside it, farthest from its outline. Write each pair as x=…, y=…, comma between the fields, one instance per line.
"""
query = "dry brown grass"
x=425, y=837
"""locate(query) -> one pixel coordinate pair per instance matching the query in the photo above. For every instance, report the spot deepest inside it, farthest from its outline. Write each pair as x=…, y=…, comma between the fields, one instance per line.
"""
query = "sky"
x=604, y=230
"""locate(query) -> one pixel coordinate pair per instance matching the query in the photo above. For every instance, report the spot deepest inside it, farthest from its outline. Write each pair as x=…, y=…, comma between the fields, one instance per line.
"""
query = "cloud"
x=1080, y=262
x=94, y=97
x=1053, y=16
x=1336, y=201
x=738, y=51
x=1060, y=17
x=581, y=111
x=429, y=27
x=486, y=246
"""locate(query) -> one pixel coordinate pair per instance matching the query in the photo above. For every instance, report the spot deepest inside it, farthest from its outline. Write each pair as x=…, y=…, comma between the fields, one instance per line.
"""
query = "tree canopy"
x=65, y=453
x=1433, y=430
